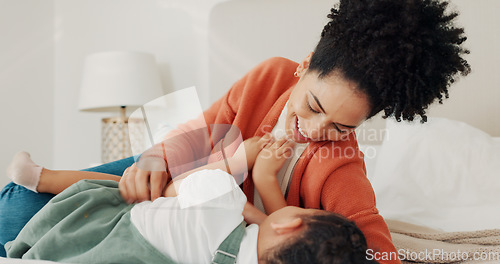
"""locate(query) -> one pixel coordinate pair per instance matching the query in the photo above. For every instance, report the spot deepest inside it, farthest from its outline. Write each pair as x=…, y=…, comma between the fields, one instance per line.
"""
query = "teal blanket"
x=87, y=223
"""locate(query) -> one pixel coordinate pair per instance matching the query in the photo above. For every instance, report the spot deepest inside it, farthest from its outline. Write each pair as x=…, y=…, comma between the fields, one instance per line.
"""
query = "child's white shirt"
x=190, y=227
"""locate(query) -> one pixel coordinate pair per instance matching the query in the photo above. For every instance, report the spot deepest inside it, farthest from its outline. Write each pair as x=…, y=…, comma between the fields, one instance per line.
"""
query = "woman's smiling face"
x=327, y=108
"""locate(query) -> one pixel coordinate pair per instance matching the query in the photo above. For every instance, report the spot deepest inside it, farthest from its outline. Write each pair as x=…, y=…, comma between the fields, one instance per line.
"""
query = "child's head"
x=297, y=235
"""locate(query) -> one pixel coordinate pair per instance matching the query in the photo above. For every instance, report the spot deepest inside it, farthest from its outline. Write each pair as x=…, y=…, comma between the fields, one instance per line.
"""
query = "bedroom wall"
x=26, y=81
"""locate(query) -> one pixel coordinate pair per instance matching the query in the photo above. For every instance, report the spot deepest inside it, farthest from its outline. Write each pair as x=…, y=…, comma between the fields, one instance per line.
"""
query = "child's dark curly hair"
x=402, y=53
x=327, y=238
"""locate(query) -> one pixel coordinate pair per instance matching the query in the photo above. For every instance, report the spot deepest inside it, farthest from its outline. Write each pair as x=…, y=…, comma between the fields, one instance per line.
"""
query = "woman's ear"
x=291, y=225
x=304, y=65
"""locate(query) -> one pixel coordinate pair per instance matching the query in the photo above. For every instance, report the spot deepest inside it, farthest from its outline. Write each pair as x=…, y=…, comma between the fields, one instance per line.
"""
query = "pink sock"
x=23, y=171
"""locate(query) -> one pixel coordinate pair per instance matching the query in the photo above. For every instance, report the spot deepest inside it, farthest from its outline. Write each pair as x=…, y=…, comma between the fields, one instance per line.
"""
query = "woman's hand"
x=145, y=180
x=250, y=148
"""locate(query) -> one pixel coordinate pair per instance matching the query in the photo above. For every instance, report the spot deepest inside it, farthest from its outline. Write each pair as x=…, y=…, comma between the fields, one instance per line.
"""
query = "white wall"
x=86, y=27
x=209, y=43
x=26, y=81
x=246, y=32
x=475, y=98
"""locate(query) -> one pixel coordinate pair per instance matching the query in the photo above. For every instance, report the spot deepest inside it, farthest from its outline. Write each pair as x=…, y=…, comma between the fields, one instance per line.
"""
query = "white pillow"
x=443, y=174
x=370, y=156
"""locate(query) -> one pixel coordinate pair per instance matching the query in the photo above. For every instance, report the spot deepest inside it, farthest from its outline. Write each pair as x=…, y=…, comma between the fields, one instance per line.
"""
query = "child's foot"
x=23, y=171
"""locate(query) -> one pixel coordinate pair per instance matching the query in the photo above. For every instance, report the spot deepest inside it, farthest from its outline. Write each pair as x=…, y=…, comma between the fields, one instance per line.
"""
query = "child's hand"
x=250, y=148
x=272, y=157
x=269, y=162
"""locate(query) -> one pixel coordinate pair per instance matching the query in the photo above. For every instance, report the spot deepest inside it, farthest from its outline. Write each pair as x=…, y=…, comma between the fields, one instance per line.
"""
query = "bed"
x=437, y=187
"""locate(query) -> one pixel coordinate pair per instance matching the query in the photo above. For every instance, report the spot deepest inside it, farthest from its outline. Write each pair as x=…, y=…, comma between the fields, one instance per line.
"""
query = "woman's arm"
x=242, y=160
x=348, y=192
x=173, y=186
x=188, y=143
x=257, y=90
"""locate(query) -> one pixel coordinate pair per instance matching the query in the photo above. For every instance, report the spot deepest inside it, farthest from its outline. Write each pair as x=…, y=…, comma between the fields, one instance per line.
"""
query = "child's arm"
x=253, y=215
x=268, y=164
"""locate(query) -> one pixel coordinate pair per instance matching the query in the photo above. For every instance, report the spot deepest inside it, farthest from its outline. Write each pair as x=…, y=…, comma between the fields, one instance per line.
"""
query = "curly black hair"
x=328, y=238
x=403, y=54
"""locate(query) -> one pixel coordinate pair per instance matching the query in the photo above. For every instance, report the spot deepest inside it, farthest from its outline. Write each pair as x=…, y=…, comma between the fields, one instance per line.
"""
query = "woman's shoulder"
x=280, y=61
x=271, y=78
x=261, y=87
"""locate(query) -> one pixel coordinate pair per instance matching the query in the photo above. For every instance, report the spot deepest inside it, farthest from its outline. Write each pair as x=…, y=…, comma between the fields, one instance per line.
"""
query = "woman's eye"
x=310, y=108
x=338, y=129
x=335, y=126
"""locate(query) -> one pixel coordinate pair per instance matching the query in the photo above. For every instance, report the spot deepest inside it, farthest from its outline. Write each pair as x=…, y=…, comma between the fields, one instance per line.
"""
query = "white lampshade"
x=119, y=78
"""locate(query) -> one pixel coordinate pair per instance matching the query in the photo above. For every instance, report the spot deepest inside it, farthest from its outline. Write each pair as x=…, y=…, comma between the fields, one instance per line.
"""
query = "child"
x=89, y=222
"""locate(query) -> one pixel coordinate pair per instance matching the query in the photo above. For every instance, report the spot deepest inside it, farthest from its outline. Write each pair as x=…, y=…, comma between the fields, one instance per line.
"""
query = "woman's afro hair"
x=403, y=53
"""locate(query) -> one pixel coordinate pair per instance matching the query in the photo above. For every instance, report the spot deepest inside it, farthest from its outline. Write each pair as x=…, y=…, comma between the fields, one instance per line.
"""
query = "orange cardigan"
x=329, y=175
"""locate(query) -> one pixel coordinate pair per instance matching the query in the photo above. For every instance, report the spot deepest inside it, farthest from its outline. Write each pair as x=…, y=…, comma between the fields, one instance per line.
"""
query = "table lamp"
x=113, y=81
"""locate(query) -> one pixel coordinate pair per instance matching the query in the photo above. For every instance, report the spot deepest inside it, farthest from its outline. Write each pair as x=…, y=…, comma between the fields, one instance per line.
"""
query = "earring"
x=296, y=74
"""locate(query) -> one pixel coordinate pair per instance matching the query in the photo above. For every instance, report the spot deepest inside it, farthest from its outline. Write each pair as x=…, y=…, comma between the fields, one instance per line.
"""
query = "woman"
x=374, y=55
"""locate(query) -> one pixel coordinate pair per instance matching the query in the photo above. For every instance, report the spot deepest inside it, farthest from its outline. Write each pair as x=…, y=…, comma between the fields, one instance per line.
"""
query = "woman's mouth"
x=299, y=132
x=300, y=129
